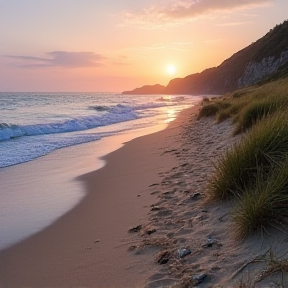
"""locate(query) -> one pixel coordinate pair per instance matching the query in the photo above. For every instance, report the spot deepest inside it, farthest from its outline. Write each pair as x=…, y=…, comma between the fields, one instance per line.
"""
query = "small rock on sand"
x=135, y=229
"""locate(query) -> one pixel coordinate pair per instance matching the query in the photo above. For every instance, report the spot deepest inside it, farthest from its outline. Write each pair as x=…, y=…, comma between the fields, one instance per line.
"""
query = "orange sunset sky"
x=116, y=45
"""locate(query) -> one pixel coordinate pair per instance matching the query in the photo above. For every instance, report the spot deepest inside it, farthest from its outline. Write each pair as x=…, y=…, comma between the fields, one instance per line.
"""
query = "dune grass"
x=254, y=172
x=263, y=204
x=264, y=146
x=249, y=105
x=233, y=110
x=208, y=110
x=212, y=108
x=257, y=110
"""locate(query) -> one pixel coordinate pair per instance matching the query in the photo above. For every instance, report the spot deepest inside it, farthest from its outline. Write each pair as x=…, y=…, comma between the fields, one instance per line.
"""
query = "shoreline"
x=40, y=180
x=68, y=253
x=156, y=184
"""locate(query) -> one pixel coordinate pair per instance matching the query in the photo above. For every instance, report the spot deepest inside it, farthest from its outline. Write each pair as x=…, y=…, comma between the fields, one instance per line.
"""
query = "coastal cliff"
x=256, y=71
x=147, y=89
x=250, y=65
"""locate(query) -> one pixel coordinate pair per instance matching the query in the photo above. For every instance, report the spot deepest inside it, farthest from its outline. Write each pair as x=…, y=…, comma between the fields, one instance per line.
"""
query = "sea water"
x=36, y=124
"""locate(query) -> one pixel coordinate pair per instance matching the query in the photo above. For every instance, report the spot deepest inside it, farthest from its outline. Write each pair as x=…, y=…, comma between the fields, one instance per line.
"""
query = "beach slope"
x=87, y=247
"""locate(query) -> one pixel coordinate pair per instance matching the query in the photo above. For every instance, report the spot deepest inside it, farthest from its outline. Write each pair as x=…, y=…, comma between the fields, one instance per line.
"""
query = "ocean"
x=33, y=125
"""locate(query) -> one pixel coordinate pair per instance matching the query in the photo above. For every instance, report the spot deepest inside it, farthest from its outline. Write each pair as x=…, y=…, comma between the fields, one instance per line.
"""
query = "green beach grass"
x=254, y=172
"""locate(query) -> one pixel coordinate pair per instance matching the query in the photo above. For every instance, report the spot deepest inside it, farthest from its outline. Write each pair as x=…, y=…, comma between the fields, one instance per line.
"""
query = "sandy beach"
x=87, y=247
x=195, y=236
x=155, y=184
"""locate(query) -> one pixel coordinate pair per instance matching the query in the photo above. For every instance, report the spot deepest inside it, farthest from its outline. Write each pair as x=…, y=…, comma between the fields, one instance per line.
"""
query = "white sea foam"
x=39, y=123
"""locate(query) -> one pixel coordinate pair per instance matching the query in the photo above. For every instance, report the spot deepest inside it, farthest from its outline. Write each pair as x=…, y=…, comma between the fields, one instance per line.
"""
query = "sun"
x=171, y=69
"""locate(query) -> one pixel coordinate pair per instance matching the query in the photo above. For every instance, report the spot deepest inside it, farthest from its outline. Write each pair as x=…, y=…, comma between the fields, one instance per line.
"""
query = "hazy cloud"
x=121, y=63
x=177, y=46
x=179, y=11
x=211, y=41
x=171, y=46
x=232, y=24
x=63, y=59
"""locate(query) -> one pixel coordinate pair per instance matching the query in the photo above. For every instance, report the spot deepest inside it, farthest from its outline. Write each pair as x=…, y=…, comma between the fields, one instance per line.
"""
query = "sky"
x=117, y=45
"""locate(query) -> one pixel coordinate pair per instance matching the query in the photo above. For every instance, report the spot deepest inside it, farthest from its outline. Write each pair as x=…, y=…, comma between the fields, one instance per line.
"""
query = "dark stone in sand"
x=135, y=229
x=163, y=258
x=198, y=279
x=195, y=196
x=210, y=242
x=151, y=231
x=182, y=252
x=155, y=208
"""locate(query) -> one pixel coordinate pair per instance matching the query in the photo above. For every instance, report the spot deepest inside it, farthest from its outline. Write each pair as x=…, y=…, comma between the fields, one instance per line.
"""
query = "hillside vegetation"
x=254, y=172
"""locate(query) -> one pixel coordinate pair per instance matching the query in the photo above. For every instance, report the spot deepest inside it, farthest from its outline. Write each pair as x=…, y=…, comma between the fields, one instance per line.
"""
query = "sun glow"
x=171, y=69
